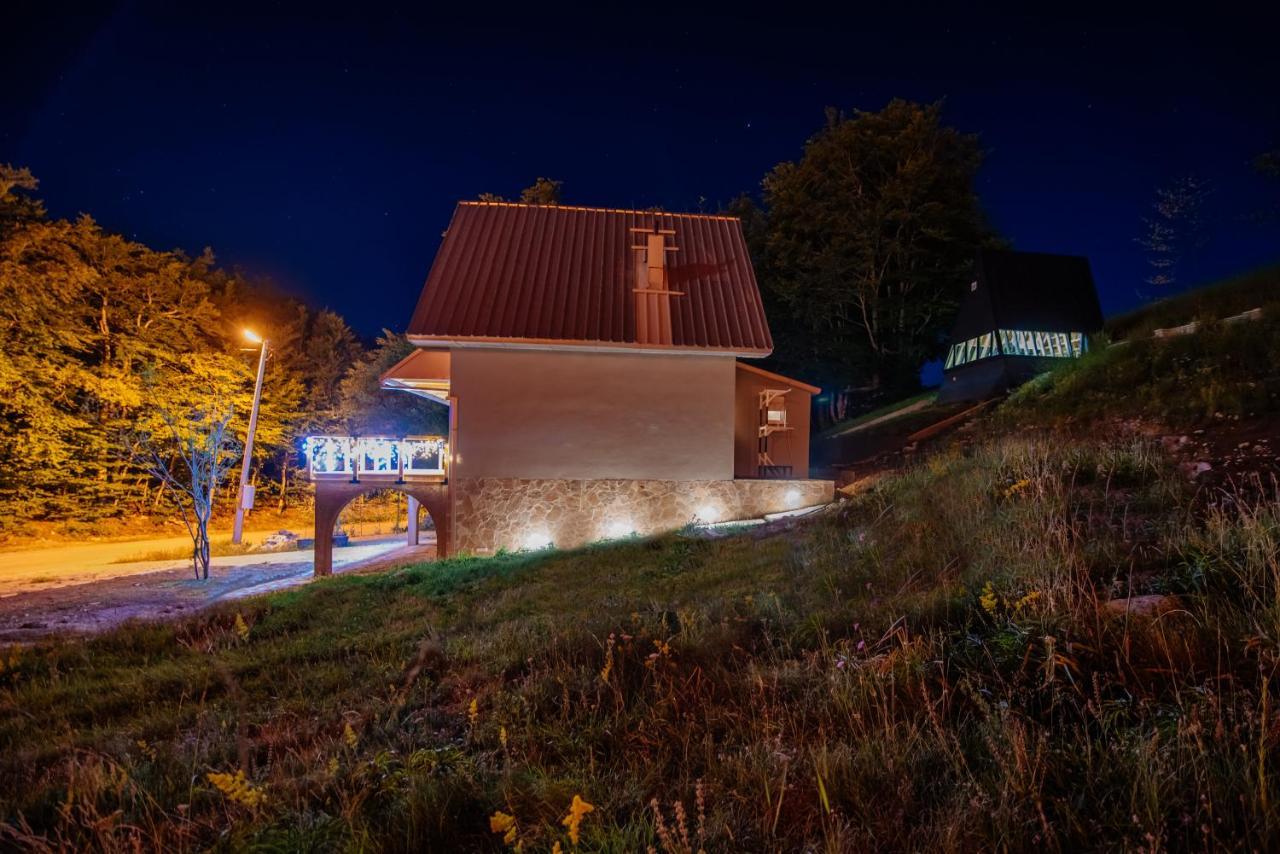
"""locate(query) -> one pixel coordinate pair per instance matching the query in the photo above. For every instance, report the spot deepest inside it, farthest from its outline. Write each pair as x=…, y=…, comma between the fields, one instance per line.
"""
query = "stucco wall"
x=786, y=448
x=509, y=513
x=554, y=414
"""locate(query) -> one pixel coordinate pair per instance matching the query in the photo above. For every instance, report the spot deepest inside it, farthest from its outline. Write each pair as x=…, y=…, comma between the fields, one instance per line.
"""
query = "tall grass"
x=929, y=667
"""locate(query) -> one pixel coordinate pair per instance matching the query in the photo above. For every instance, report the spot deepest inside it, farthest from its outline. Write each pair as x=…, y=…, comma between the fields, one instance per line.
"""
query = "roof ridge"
x=480, y=203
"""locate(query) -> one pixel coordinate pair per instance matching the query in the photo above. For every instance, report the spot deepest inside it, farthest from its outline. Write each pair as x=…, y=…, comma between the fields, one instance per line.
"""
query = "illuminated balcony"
x=383, y=458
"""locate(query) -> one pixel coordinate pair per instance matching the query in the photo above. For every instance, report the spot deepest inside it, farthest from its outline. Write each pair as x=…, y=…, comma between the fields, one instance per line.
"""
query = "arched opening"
x=425, y=515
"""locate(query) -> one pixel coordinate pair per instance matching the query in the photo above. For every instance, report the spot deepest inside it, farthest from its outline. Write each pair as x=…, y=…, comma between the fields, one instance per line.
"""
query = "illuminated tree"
x=188, y=446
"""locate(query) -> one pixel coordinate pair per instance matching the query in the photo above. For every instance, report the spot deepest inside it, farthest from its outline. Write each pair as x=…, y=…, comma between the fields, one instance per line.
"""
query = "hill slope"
x=1048, y=638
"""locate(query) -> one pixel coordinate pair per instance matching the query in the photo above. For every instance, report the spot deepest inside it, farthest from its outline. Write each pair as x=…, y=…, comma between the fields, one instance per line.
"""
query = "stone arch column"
x=333, y=495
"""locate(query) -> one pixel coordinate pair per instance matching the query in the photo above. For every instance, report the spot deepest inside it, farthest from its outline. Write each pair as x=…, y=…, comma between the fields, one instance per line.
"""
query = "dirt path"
x=166, y=592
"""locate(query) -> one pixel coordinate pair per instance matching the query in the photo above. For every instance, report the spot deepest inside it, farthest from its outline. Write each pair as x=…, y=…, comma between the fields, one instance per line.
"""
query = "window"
x=1053, y=345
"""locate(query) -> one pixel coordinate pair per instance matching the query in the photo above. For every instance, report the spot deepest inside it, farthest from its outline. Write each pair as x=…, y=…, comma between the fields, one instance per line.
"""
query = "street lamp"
x=244, y=498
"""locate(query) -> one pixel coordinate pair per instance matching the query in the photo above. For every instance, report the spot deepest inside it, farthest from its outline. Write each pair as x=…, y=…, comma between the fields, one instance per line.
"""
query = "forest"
x=103, y=339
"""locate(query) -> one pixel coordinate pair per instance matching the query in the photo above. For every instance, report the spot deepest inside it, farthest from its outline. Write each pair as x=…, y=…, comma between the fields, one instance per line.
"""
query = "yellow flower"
x=237, y=789
x=573, y=820
x=502, y=736
x=242, y=628
x=501, y=822
x=349, y=736
x=608, y=661
x=333, y=766
x=555, y=849
x=989, y=600
x=1017, y=487
x=1027, y=601
x=473, y=712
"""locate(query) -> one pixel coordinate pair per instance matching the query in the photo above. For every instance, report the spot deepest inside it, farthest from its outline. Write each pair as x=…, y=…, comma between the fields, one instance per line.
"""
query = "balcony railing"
x=358, y=457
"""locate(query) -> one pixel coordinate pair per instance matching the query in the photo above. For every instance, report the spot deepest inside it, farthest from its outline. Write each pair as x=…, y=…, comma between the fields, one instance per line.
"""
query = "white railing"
x=376, y=456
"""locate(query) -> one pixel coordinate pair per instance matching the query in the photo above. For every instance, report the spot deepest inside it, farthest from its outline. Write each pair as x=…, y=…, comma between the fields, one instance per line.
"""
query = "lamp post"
x=244, y=497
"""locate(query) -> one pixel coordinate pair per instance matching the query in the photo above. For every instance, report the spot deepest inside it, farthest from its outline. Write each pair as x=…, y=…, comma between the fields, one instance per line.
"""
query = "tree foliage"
x=543, y=191
x=864, y=245
x=102, y=338
x=367, y=409
x=189, y=459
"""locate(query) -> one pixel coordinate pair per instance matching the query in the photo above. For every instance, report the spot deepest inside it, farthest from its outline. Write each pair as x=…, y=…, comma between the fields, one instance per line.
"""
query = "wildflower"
x=473, y=712
x=148, y=750
x=573, y=820
x=1027, y=601
x=1016, y=487
x=349, y=736
x=608, y=660
x=989, y=600
x=502, y=736
x=237, y=789
x=504, y=823
x=242, y=628
x=333, y=766
x=556, y=849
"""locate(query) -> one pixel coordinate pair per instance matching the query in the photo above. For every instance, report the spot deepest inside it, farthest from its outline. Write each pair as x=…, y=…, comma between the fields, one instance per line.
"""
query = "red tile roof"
x=514, y=273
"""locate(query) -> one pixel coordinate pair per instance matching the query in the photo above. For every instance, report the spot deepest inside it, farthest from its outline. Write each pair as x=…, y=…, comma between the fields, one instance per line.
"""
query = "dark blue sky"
x=327, y=150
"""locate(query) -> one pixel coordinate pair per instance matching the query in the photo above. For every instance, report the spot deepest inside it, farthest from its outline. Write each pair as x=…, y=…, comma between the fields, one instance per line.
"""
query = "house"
x=592, y=363
x=1024, y=312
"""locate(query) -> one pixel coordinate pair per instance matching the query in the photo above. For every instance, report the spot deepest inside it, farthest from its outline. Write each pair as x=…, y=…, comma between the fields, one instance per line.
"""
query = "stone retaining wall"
x=513, y=514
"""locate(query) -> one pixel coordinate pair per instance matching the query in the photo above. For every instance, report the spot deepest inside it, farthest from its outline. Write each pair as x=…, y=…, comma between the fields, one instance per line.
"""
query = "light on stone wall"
x=707, y=513
x=619, y=528
x=537, y=540
x=793, y=498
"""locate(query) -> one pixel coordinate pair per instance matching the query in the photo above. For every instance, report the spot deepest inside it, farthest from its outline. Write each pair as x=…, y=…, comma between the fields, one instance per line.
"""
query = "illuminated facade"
x=591, y=362
x=1024, y=312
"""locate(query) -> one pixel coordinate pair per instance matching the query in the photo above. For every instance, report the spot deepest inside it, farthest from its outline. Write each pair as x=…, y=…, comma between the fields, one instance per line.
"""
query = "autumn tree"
x=864, y=245
x=88, y=319
x=187, y=445
x=16, y=202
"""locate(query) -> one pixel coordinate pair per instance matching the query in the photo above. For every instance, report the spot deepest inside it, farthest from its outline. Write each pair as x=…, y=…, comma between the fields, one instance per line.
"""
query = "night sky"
x=327, y=152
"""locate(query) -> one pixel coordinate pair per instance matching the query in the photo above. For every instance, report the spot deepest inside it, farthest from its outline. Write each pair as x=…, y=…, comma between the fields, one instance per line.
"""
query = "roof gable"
x=1031, y=291
x=535, y=274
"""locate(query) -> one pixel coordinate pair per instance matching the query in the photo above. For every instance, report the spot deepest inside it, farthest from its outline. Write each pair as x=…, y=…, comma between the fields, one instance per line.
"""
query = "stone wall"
x=513, y=514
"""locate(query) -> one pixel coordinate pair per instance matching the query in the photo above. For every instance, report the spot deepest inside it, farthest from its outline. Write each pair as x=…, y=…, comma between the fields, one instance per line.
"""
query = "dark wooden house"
x=1024, y=312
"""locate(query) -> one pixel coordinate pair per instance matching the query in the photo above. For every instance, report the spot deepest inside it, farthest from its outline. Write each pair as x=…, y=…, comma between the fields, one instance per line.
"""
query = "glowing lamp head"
x=707, y=513
x=537, y=540
x=251, y=336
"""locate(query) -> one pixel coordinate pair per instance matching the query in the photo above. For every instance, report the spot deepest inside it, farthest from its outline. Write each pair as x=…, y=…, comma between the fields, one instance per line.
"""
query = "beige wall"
x=555, y=414
x=507, y=513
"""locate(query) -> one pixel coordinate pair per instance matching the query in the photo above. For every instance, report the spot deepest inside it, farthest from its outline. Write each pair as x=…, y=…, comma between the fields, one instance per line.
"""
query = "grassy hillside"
x=1255, y=289
x=947, y=661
